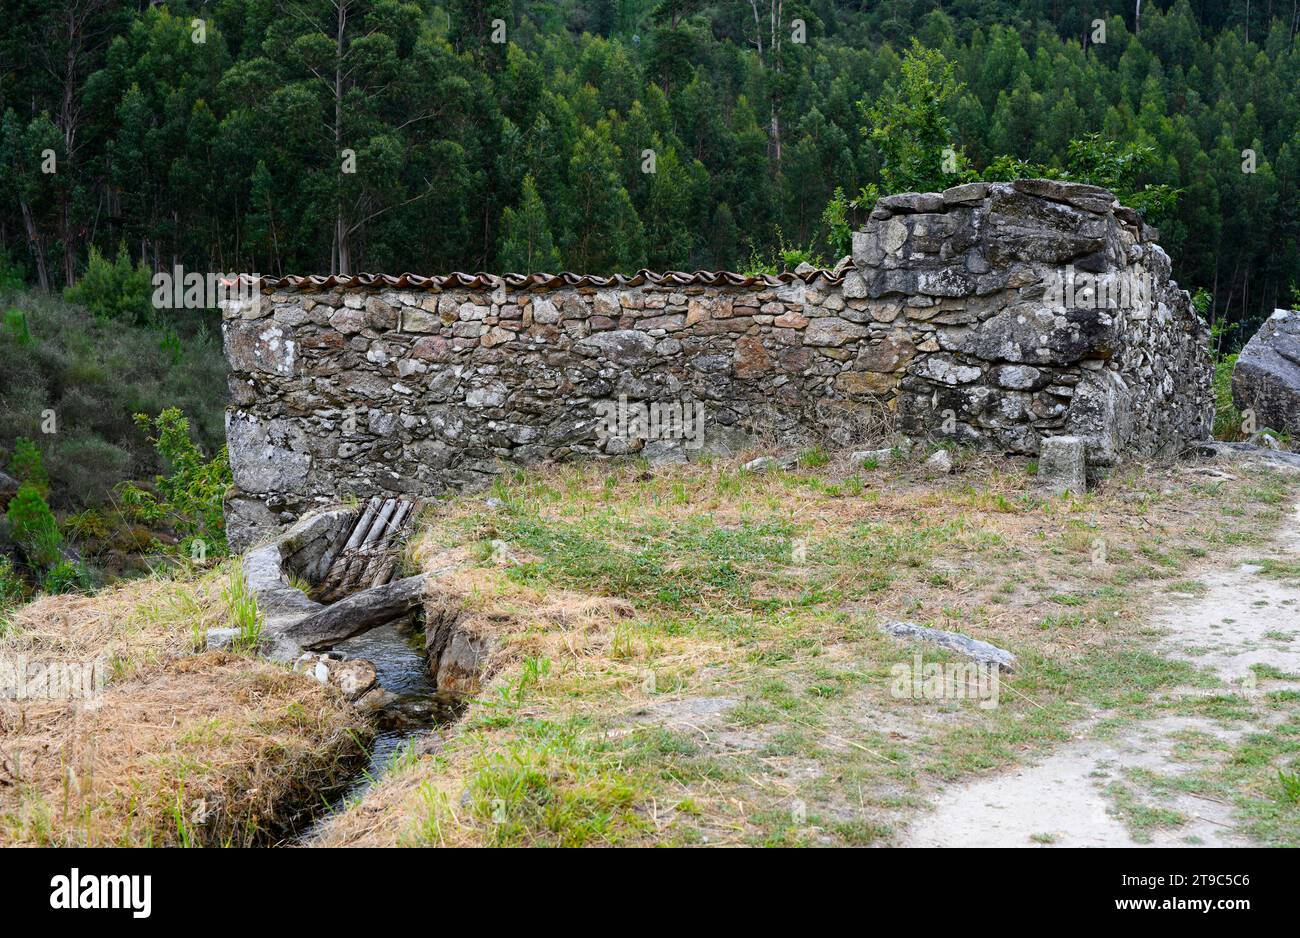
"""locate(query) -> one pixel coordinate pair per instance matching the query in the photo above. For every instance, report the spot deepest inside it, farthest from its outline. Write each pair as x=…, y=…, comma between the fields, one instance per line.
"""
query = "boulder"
x=771, y=463
x=461, y=664
x=355, y=678
x=1267, y=377
x=221, y=639
x=8, y=489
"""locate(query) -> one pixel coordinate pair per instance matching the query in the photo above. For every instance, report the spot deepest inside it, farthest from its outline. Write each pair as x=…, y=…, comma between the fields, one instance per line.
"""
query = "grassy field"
x=734, y=688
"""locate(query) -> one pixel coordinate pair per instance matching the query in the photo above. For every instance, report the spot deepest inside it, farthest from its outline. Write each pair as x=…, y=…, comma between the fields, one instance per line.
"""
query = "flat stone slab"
x=1277, y=457
x=971, y=648
x=358, y=613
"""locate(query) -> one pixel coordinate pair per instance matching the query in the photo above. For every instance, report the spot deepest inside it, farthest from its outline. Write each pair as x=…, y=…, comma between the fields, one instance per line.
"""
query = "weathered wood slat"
x=329, y=589
x=368, y=559
x=386, y=562
x=360, y=560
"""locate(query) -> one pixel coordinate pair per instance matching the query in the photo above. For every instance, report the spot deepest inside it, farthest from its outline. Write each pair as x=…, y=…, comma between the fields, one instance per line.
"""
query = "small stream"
x=397, y=652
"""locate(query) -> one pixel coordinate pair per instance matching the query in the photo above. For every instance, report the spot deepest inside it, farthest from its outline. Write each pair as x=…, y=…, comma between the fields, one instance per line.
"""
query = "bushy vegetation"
x=189, y=498
x=115, y=290
x=35, y=531
x=72, y=384
x=27, y=466
x=71, y=381
x=33, y=528
x=12, y=588
x=1227, y=418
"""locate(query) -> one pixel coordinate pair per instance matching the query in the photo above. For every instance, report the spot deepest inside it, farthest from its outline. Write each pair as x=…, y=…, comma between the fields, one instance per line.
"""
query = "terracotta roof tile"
x=482, y=281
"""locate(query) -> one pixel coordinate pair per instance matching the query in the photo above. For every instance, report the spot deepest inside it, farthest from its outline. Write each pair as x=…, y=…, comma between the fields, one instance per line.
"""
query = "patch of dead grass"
x=178, y=748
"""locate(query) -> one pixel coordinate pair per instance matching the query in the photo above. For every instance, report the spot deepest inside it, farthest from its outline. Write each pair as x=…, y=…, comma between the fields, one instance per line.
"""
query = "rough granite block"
x=1062, y=467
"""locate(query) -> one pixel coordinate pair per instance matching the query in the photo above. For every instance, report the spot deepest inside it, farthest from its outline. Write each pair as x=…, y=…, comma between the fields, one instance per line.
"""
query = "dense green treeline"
x=346, y=135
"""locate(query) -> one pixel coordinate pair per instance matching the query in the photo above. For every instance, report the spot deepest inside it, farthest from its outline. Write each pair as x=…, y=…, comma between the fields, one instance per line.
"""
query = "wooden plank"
x=369, y=558
x=330, y=585
x=361, y=559
x=386, y=562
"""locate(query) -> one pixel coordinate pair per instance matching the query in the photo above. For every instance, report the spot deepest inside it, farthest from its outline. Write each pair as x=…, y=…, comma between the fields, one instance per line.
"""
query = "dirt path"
x=1242, y=619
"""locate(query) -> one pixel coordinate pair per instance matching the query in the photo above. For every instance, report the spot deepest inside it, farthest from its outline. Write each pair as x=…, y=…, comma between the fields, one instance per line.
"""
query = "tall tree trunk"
x=343, y=248
x=35, y=244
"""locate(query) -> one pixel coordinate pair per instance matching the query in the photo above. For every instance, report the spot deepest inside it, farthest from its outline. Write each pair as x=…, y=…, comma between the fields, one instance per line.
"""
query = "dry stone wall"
x=964, y=315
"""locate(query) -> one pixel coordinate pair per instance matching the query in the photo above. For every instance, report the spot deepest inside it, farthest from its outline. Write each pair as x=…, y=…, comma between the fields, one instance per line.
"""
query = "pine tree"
x=526, y=242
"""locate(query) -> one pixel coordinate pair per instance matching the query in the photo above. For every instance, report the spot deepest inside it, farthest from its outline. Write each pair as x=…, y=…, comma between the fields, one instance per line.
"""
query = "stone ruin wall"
x=941, y=324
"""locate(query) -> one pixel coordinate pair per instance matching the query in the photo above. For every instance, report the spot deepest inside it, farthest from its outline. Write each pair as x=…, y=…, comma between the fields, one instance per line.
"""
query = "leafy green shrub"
x=26, y=465
x=12, y=590
x=115, y=290
x=34, y=528
x=1227, y=418
x=16, y=326
x=191, y=497
x=66, y=577
x=908, y=122
x=1097, y=161
x=1120, y=167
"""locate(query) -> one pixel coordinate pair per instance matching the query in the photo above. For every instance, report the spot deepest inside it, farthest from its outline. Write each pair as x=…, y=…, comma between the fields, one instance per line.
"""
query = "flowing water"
x=397, y=652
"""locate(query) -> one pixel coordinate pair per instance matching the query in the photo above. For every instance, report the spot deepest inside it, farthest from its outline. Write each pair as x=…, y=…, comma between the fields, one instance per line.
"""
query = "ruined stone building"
x=991, y=314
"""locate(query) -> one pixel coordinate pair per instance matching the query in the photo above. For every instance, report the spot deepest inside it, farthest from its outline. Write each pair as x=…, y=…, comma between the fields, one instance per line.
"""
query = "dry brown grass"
x=522, y=622
x=139, y=623
x=179, y=748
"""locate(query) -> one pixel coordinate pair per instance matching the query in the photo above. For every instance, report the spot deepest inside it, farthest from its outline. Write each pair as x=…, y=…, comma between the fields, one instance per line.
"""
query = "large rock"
x=267, y=455
x=358, y=613
x=8, y=489
x=1267, y=376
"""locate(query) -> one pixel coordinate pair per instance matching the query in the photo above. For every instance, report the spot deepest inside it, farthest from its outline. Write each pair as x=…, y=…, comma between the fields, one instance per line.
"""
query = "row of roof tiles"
x=484, y=281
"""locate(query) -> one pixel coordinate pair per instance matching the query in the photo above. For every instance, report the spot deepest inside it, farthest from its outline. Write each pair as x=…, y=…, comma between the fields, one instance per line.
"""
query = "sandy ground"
x=1062, y=800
